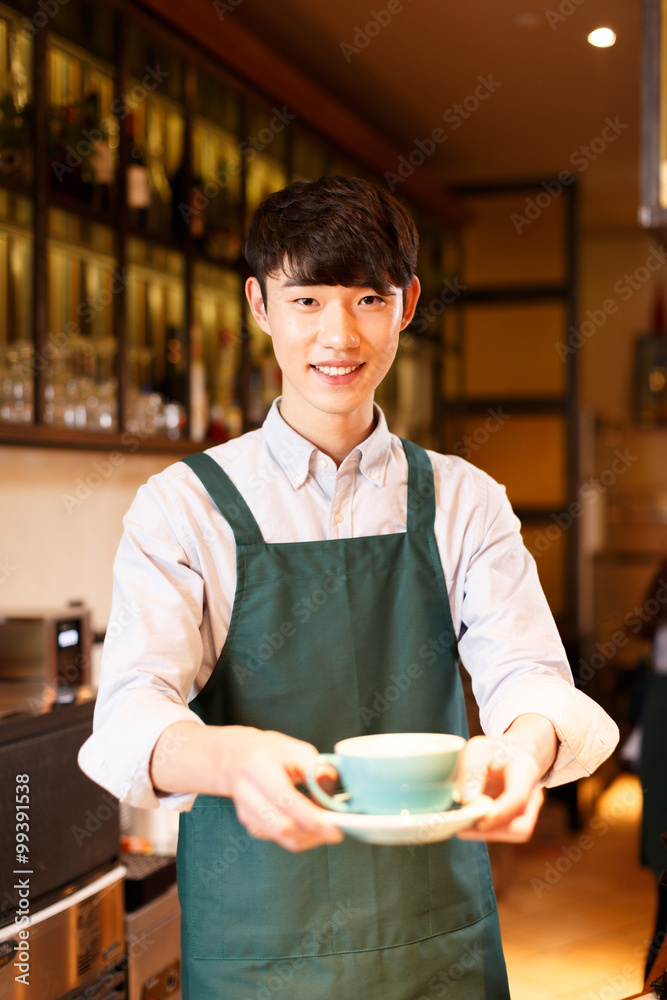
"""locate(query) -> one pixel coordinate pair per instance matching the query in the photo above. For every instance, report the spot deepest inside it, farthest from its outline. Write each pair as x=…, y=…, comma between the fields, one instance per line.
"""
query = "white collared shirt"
x=175, y=579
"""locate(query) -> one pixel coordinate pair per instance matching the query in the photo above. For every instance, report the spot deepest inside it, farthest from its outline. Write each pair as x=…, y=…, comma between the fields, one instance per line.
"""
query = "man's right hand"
x=257, y=769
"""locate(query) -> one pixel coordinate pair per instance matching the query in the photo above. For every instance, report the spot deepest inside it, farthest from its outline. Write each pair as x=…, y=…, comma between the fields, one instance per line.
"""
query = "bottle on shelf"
x=198, y=391
x=167, y=398
x=225, y=417
x=103, y=160
x=172, y=386
x=187, y=208
x=138, y=184
x=223, y=223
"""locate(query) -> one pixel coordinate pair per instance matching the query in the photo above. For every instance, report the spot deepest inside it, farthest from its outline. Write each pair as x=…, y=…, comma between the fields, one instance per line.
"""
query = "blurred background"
x=135, y=140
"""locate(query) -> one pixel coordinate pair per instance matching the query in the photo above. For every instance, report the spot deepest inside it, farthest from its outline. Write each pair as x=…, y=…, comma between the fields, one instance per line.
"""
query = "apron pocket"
x=246, y=898
x=461, y=884
x=383, y=892
x=391, y=896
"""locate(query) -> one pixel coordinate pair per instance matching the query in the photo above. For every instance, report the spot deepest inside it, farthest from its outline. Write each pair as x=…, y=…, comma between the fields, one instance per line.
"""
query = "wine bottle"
x=172, y=386
x=198, y=391
x=187, y=208
x=103, y=160
x=138, y=186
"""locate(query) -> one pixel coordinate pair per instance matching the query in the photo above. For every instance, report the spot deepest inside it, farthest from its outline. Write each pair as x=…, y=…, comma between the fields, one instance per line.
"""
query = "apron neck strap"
x=421, y=488
x=232, y=506
x=227, y=499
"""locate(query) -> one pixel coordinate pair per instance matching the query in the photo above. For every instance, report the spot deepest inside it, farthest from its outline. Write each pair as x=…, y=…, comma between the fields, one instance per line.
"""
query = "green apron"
x=330, y=639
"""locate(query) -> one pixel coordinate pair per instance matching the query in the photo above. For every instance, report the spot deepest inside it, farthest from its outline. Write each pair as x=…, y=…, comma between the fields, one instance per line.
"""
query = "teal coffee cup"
x=391, y=773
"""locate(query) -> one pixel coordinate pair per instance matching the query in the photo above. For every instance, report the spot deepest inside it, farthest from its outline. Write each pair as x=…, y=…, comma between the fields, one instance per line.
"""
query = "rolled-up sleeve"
x=152, y=652
x=509, y=643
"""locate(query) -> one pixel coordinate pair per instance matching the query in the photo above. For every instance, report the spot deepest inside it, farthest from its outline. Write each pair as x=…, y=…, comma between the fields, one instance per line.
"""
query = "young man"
x=280, y=584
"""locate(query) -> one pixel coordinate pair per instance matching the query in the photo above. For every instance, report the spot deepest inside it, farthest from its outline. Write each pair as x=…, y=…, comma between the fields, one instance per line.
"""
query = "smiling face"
x=334, y=345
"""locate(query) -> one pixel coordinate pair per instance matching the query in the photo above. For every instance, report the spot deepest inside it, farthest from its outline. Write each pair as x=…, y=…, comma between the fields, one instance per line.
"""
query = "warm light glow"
x=622, y=802
x=602, y=38
x=656, y=379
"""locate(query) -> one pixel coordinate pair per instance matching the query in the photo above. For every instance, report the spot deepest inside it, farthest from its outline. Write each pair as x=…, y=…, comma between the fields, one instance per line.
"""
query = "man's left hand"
x=508, y=769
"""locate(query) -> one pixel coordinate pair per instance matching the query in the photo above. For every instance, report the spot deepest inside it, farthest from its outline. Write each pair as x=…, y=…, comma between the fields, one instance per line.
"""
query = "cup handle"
x=317, y=791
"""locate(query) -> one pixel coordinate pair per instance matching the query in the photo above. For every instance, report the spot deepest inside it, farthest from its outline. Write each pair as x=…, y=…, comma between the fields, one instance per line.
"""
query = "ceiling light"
x=602, y=38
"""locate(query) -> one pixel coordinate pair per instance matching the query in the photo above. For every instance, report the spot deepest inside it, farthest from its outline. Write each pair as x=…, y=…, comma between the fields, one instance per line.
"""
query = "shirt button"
x=375, y=476
x=338, y=518
x=323, y=463
x=298, y=477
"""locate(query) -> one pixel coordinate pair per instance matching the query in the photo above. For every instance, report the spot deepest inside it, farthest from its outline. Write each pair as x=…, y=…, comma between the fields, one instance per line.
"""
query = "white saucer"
x=411, y=829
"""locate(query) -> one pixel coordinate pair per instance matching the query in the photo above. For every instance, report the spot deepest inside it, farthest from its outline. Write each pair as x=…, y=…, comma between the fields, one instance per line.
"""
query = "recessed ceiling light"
x=602, y=38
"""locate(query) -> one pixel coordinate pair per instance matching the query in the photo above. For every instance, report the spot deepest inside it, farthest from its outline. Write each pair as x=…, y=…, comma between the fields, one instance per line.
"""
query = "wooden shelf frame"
x=565, y=405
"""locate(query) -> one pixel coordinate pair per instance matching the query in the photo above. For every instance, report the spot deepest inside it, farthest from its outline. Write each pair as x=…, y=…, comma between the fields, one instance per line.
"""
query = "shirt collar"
x=293, y=453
